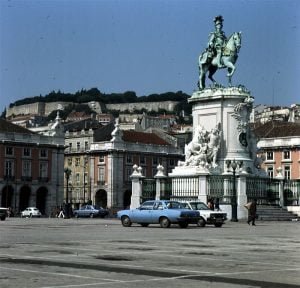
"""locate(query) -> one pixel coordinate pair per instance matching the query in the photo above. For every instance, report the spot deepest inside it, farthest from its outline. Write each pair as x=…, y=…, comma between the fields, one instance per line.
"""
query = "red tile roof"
x=275, y=129
x=6, y=126
x=141, y=137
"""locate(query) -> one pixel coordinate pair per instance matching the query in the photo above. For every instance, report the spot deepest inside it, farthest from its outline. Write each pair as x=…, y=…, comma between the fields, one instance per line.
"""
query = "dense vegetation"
x=94, y=94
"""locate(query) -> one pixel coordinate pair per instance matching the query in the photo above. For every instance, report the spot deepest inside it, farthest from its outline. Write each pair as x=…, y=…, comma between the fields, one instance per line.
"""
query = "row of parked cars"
x=165, y=213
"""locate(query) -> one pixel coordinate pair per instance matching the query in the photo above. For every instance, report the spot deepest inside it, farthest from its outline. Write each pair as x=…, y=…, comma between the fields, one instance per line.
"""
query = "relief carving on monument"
x=203, y=149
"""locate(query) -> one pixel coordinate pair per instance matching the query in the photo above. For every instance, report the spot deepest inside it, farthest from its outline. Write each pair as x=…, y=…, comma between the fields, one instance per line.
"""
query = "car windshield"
x=199, y=206
x=174, y=205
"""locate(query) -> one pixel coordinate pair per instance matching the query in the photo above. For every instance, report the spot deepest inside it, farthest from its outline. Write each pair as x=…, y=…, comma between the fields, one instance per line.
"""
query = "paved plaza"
x=52, y=253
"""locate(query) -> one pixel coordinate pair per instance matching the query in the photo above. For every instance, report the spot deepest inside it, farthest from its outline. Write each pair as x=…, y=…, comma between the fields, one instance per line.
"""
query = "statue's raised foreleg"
x=212, y=71
x=202, y=72
x=230, y=67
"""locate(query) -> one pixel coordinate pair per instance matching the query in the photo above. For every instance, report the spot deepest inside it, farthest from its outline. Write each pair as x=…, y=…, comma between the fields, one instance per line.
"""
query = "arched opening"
x=24, y=197
x=41, y=199
x=127, y=199
x=7, y=196
x=101, y=198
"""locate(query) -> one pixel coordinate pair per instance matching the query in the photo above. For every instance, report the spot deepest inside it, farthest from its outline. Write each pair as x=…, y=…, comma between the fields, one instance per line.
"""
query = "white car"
x=31, y=212
x=207, y=216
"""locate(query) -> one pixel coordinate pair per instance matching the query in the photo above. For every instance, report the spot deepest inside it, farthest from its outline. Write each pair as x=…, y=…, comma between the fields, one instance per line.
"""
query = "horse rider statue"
x=217, y=40
x=221, y=52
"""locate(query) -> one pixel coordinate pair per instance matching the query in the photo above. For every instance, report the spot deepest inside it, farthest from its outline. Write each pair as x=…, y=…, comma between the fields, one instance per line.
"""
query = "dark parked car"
x=161, y=212
x=91, y=211
x=3, y=213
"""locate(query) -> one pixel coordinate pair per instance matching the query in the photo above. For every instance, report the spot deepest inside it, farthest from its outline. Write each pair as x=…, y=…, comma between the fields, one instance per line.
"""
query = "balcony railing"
x=26, y=178
x=43, y=179
x=101, y=183
x=9, y=177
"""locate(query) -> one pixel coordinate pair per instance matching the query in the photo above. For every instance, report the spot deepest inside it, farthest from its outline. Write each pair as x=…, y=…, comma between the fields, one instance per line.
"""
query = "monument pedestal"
x=229, y=109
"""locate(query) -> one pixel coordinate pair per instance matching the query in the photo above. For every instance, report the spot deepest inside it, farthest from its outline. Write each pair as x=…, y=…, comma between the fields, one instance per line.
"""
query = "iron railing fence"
x=264, y=190
x=221, y=187
x=148, y=190
x=166, y=189
x=186, y=188
x=291, y=192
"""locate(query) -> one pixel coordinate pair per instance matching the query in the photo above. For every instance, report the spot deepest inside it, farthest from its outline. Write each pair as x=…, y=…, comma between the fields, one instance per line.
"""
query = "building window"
x=77, y=161
x=154, y=161
x=26, y=169
x=171, y=162
x=43, y=153
x=9, y=168
x=286, y=155
x=77, y=179
x=27, y=152
x=101, y=175
x=43, y=169
x=128, y=173
x=86, y=145
x=270, y=155
x=287, y=172
x=9, y=151
x=70, y=147
x=129, y=159
x=70, y=161
x=270, y=171
x=101, y=158
x=78, y=146
x=142, y=160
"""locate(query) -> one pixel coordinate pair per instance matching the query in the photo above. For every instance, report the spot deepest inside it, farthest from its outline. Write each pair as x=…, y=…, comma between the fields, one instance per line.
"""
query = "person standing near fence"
x=251, y=212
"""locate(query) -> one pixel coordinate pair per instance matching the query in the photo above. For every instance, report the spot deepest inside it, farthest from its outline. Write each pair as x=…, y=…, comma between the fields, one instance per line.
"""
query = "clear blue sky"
x=146, y=46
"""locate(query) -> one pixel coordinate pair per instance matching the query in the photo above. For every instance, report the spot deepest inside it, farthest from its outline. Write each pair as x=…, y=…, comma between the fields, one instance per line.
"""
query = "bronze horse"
x=228, y=59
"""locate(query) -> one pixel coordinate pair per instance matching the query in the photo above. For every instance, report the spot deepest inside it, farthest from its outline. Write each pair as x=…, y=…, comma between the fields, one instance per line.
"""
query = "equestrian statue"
x=220, y=53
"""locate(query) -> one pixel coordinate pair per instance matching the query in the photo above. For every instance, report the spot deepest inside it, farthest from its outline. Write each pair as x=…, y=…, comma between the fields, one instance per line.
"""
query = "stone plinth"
x=229, y=109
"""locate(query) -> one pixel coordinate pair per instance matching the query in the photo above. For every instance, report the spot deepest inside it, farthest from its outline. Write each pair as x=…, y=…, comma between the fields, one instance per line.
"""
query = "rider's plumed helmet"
x=218, y=20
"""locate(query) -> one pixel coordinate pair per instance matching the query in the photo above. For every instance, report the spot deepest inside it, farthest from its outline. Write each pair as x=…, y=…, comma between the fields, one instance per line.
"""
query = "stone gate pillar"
x=137, y=187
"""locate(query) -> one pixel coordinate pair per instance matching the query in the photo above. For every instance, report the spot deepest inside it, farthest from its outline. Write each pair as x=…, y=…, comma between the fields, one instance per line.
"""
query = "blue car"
x=91, y=211
x=161, y=212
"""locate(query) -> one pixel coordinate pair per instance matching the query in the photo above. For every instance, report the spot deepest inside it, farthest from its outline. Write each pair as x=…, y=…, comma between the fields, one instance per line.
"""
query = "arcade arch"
x=101, y=198
x=7, y=196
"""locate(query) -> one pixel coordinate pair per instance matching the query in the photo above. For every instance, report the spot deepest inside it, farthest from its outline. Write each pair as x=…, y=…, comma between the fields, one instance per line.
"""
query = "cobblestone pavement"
x=102, y=253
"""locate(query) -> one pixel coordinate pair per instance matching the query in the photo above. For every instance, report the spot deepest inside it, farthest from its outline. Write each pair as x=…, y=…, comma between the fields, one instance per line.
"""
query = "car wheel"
x=164, y=222
x=91, y=215
x=201, y=222
x=183, y=224
x=218, y=224
x=144, y=224
x=3, y=218
x=126, y=222
x=76, y=215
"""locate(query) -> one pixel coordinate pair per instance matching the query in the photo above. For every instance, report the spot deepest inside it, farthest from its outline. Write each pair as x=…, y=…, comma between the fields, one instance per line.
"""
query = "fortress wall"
x=149, y=106
x=44, y=109
x=37, y=108
x=50, y=106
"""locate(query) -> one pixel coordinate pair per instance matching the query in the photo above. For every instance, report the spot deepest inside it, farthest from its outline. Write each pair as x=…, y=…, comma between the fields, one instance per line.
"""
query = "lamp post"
x=67, y=175
x=84, y=177
x=233, y=164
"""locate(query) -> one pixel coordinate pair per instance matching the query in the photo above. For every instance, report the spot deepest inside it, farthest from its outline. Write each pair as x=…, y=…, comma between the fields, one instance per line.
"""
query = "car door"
x=143, y=214
x=157, y=211
x=83, y=211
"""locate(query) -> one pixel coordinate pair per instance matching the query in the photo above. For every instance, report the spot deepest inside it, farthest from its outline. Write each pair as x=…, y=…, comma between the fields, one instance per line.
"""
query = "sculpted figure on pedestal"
x=220, y=53
x=202, y=150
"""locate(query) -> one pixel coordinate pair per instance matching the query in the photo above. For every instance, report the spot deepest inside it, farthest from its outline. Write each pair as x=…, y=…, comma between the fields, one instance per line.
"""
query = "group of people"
x=213, y=204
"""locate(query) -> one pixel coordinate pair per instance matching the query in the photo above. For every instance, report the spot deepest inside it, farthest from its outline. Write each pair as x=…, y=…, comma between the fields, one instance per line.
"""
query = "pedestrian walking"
x=61, y=213
x=217, y=204
x=251, y=206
